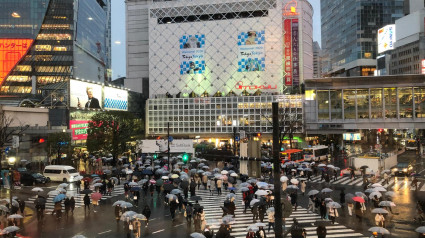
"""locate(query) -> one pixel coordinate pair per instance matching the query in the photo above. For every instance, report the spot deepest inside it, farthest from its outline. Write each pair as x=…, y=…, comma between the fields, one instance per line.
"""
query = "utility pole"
x=168, y=144
x=234, y=141
x=276, y=171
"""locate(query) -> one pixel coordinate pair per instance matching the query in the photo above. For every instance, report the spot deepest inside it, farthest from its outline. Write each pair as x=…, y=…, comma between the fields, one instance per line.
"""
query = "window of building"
x=405, y=102
x=390, y=97
x=43, y=47
x=362, y=103
x=336, y=107
x=323, y=104
x=376, y=102
x=349, y=104
x=419, y=102
x=18, y=78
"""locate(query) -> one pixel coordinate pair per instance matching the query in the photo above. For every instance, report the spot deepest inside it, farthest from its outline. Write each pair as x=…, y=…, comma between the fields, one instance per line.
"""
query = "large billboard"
x=161, y=146
x=287, y=51
x=85, y=95
x=386, y=38
x=79, y=129
x=115, y=99
x=192, y=54
x=11, y=52
x=251, y=51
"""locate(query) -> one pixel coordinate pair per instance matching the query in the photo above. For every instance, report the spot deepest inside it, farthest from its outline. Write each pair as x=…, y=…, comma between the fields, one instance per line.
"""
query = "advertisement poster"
x=287, y=40
x=295, y=49
x=352, y=136
x=85, y=95
x=115, y=99
x=192, y=54
x=251, y=51
x=79, y=129
x=158, y=146
x=386, y=38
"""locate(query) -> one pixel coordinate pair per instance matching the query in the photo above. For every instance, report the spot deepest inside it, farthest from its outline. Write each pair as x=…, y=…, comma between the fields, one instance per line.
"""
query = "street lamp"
x=11, y=161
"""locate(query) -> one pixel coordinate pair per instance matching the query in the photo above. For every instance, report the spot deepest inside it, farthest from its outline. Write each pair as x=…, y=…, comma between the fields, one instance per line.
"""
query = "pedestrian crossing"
x=397, y=183
x=118, y=190
x=212, y=203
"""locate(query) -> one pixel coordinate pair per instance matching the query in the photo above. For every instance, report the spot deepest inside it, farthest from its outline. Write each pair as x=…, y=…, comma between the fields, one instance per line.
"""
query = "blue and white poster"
x=251, y=51
x=115, y=99
x=192, y=52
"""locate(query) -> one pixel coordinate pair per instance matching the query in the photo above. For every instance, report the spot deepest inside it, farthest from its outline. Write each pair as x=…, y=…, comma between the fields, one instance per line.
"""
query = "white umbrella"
x=37, y=189
x=379, y=230
x=420, y=229
x=132, y=184
x=254, y=201
x=379, y=210
x=321, y=165
x=379, y=189
x=118, y=203
x=283, y=179
x=164, y=177
x=174, y=176
x=197, y=235
x=15, y=216
x=10, y=229
x=372, y=195
x=233, y=175
x=390, y=194
x=334, y=205
x=312, y=192
x=79, y=177
x=376, y=185
x=79, y=236
x=97, y=184
x=326, y=190
x=292, y=187
x=260, y=224
x=252, y=228
x=53, y=193
x=295, y=181
x=387, y=204
x=261, y=193
x=63, y=185
x=61, y=190
x=224, y=172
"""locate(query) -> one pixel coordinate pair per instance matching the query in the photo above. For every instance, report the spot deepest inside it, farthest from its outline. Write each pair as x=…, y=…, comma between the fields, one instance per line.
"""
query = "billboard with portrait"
x=85, y=95
x=192, y=54
x=161, y=146
x=386, y=38
x=115, y=99
x=251, y=51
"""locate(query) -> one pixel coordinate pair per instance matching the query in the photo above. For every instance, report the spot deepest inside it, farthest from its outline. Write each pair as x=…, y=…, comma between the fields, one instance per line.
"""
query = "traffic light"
x=155, y=156
x=185, y=158
x=41, y=140
x=380, y=130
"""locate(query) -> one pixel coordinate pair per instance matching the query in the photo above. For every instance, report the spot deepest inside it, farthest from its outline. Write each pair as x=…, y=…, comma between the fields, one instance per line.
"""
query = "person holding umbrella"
x=321, y=231
x=67, y=204
x=379, y=220
x=78, y=185
x=189, y=213
x=72, y=204
x=333, y=214
x=254, y=211
x=261, y=233
x=86, y=200
x=208, y=232
x=414, y=183
x=147, y=213
x=193, y=185
x=117, y=212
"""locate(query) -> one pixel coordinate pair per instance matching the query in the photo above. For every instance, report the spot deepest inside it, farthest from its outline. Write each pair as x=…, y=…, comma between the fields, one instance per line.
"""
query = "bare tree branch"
x=6, y=129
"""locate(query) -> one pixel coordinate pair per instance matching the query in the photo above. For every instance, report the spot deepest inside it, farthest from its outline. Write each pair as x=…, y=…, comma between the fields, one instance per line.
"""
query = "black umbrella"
x=195, y=198
x=40, y=200
x=86, y=191
x=184, y=184
x=364, y=167
x=349, y=197
x=169, y=187
x=147, y=172
x=231, y=180
x=177, y=180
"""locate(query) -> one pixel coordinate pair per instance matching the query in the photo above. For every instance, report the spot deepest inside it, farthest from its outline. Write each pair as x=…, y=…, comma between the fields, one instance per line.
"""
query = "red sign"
x=79, y=129
x=239, y=85
x=11, y=52
x=287, y=52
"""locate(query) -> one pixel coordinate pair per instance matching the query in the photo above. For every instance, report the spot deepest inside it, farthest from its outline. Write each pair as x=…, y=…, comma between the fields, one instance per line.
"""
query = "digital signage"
x=386, y=38
x=79, y=129
x=85, y=95
x=115, y=99
x=351, y=136
x=11, y=52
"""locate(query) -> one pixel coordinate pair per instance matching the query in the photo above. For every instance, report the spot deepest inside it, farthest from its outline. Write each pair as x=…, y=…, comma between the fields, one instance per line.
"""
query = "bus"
x=411, y=145
x=316, y=153
x=292, y=155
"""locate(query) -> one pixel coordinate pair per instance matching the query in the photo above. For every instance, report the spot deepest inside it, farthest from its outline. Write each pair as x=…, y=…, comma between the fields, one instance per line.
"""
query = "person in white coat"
x=333, y=214
x=379, y=220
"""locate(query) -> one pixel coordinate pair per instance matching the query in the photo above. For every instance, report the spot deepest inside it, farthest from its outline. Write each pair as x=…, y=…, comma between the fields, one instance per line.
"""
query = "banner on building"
x=115, y=99
x=287, y=54
x=161, y=146
x=79, y=129
x=295, y=53
x=192, y=54
x=251, y=51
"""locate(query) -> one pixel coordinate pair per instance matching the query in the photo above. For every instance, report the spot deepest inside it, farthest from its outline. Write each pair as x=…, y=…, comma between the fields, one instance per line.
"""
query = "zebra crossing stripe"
x=341, y=180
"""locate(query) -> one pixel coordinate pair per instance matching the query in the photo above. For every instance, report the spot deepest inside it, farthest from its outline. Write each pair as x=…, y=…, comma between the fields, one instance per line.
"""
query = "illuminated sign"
x=295, y=51
x=11, y=52
x=386, y=38
x=351, y=136
x=85, y=95
x=239, y=85
x=79, y=129
x=115, y=99
x=423, y=66
x=287, y=61
x=290, y=8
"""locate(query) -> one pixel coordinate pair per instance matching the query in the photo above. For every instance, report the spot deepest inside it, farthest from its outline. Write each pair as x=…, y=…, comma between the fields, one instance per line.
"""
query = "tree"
x=57, y=143
x=109, y=132
x=7, y=130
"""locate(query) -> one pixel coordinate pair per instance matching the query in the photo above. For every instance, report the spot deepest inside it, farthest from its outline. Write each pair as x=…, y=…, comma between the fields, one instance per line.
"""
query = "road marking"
x=179, y=225
x=104, y=232
x=157, y=231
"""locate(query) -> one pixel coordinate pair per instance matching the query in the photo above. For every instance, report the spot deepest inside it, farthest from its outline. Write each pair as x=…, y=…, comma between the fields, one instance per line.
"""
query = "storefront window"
x=376, y=102
x=323, y=104
x=420, y=102
x=363, y=103
x=350, y=104
x=336, y=107
x=406, y=102
x=390, y=95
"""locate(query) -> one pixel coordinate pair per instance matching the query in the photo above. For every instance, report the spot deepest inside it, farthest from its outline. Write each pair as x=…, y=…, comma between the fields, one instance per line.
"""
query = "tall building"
x=211, y=67
x=44, y=42
x=317, y=61
x=349, y=33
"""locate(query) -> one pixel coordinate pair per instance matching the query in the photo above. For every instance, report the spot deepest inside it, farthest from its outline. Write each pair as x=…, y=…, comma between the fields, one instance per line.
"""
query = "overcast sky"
x=118, y=34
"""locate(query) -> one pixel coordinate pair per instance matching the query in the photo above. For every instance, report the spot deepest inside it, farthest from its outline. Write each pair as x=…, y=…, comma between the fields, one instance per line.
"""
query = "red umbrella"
x=96, y=196
x=86, y=179
x=358, y=199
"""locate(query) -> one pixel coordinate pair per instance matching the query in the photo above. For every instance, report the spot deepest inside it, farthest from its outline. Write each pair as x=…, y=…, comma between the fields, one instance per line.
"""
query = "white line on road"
x=157, y=231
x=179, y=225
x=104, y=232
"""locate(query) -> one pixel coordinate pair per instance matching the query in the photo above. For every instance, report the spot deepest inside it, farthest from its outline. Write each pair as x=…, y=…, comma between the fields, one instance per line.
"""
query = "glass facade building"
x=54, y=28
x=349, y=33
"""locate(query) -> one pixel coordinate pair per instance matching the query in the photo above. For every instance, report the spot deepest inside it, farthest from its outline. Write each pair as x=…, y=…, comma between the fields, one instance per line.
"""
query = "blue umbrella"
x=95, y=175
x=147, y=172
x=135, y=189
x=59, y=197
x=232, y=188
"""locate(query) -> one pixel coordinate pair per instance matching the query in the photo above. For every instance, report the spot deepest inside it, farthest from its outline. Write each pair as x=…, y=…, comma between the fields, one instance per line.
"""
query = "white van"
x=61, y=173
